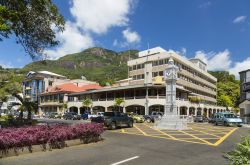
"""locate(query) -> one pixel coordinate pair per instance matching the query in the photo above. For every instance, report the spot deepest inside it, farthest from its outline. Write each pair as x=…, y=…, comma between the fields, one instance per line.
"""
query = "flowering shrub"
x=55, y=135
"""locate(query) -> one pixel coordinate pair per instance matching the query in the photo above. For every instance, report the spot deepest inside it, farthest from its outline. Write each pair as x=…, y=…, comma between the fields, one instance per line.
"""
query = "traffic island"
x=18, y=141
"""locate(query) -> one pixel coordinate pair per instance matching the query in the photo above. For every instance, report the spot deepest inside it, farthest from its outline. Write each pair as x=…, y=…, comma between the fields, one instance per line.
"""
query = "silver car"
x=227, y=119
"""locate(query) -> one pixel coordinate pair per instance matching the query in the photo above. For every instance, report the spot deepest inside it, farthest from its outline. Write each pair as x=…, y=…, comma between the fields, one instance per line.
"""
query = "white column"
x=187, y=111
x=78, y=111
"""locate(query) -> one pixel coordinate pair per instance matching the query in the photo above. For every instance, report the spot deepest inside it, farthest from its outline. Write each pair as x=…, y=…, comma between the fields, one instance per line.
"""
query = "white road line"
x=126, y=160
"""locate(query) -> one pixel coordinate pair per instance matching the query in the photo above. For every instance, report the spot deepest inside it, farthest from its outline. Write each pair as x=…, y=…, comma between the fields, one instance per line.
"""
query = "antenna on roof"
x=148, y=49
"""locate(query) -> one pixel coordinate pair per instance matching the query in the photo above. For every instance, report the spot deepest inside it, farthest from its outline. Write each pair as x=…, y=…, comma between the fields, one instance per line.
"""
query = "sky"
x=216, y=31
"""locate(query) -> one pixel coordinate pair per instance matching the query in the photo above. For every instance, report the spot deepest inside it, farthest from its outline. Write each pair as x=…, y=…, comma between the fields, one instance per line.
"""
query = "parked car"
x=137, y=118
x=154, y=116
x=85, y=116
x=227, y=119
x=200, y=118
x=55, y=115
x=71, y=116
x=112, y=120
x=99, y=119
x=90, y=116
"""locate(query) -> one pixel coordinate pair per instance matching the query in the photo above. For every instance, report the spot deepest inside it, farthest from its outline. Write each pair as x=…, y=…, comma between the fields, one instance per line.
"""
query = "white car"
x=95, y=115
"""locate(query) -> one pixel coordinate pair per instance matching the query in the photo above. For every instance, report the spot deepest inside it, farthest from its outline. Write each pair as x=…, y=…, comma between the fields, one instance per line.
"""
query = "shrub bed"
x=241, y=154
x=53, y=136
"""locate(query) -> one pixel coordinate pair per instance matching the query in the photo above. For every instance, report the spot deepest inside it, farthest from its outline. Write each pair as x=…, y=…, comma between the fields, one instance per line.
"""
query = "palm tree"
x=65, y=106
x=118, y=102
x=87, y=103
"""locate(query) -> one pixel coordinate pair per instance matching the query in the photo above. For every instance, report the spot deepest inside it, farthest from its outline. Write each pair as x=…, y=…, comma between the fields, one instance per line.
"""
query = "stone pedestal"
x=171, y=122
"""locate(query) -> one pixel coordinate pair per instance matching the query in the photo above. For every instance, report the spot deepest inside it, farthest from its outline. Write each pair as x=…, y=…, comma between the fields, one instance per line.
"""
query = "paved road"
x=141, y=149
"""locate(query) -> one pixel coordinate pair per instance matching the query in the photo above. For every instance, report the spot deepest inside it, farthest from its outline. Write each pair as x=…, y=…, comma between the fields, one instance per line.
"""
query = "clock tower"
x=170, y=77
x=171, y=120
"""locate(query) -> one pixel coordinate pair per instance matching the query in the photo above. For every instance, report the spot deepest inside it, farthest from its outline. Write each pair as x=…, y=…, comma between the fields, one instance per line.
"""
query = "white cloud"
x=5, y=64
x=240, y=19
x=91, y=17
x=215, y=61
x=71, y=40
x=98, y=16
x=131, y=36
x=205, y=4
x=183, y=51
x=240, y=66
x=222, y=61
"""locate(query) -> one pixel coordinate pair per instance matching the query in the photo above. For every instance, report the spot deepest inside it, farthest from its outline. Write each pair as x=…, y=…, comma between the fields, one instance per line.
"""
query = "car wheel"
x=215, y=123
x=130, y=124
x=148, y=120
x=112, y=126
x=225, y=124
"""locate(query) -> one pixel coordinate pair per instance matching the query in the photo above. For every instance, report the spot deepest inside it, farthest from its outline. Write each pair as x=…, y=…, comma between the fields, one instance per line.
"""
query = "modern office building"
x=245, y=94
x=36, y=83
x=144, y=90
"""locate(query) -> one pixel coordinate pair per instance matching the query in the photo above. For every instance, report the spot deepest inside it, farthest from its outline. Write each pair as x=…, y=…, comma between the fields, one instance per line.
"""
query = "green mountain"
x=96, y=64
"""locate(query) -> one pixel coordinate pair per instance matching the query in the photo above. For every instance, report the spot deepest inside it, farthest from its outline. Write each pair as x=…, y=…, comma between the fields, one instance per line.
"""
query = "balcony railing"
x=246, y=87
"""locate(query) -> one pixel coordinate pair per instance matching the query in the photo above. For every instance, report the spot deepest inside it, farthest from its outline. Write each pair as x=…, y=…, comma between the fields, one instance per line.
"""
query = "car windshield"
x=108, y=113
x=229, y=116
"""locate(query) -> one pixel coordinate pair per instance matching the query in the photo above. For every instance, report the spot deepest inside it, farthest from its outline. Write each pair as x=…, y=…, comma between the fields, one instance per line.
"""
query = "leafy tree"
x=10, y=84
x=33, y=22
x=227, y=86
x=87, y=103
x=236, y=110
x=118, y=102
x=225, y=101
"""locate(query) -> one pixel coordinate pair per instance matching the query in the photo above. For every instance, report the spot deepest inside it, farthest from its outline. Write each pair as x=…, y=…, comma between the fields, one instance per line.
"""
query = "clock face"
x=170, y=74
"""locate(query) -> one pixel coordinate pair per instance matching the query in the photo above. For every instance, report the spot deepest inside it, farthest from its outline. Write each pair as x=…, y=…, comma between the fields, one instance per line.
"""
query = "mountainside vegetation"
x=96, y=64
x=228, y=89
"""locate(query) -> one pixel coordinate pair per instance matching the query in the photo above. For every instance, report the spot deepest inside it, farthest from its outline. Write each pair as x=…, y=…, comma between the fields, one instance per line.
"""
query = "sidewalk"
x=246, y=125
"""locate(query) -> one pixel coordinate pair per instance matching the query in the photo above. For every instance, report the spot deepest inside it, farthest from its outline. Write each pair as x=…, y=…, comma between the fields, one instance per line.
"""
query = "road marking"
x=144, y=133
x=126, y=160
x=161, y=132
x=224, y=137
x=193, y=134
x=205, y=133
x=196, y=137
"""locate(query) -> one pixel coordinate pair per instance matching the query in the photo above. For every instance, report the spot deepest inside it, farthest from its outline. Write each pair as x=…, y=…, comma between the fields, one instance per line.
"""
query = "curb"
x=43, y=148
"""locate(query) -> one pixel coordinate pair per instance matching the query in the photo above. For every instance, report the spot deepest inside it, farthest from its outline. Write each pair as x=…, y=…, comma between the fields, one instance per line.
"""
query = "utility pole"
x=146, y=82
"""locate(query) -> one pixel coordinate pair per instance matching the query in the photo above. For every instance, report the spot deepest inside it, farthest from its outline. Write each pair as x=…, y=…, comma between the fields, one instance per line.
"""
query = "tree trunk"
x=29, y=114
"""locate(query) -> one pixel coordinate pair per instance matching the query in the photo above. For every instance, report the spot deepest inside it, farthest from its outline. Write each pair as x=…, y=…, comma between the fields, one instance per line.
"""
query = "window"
x=155, y=74
x=134, y=77
x=161, y=73
x=130, y=68
x=50, y=83
x=161, y=62
x=139, y=66
x=134, y=67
